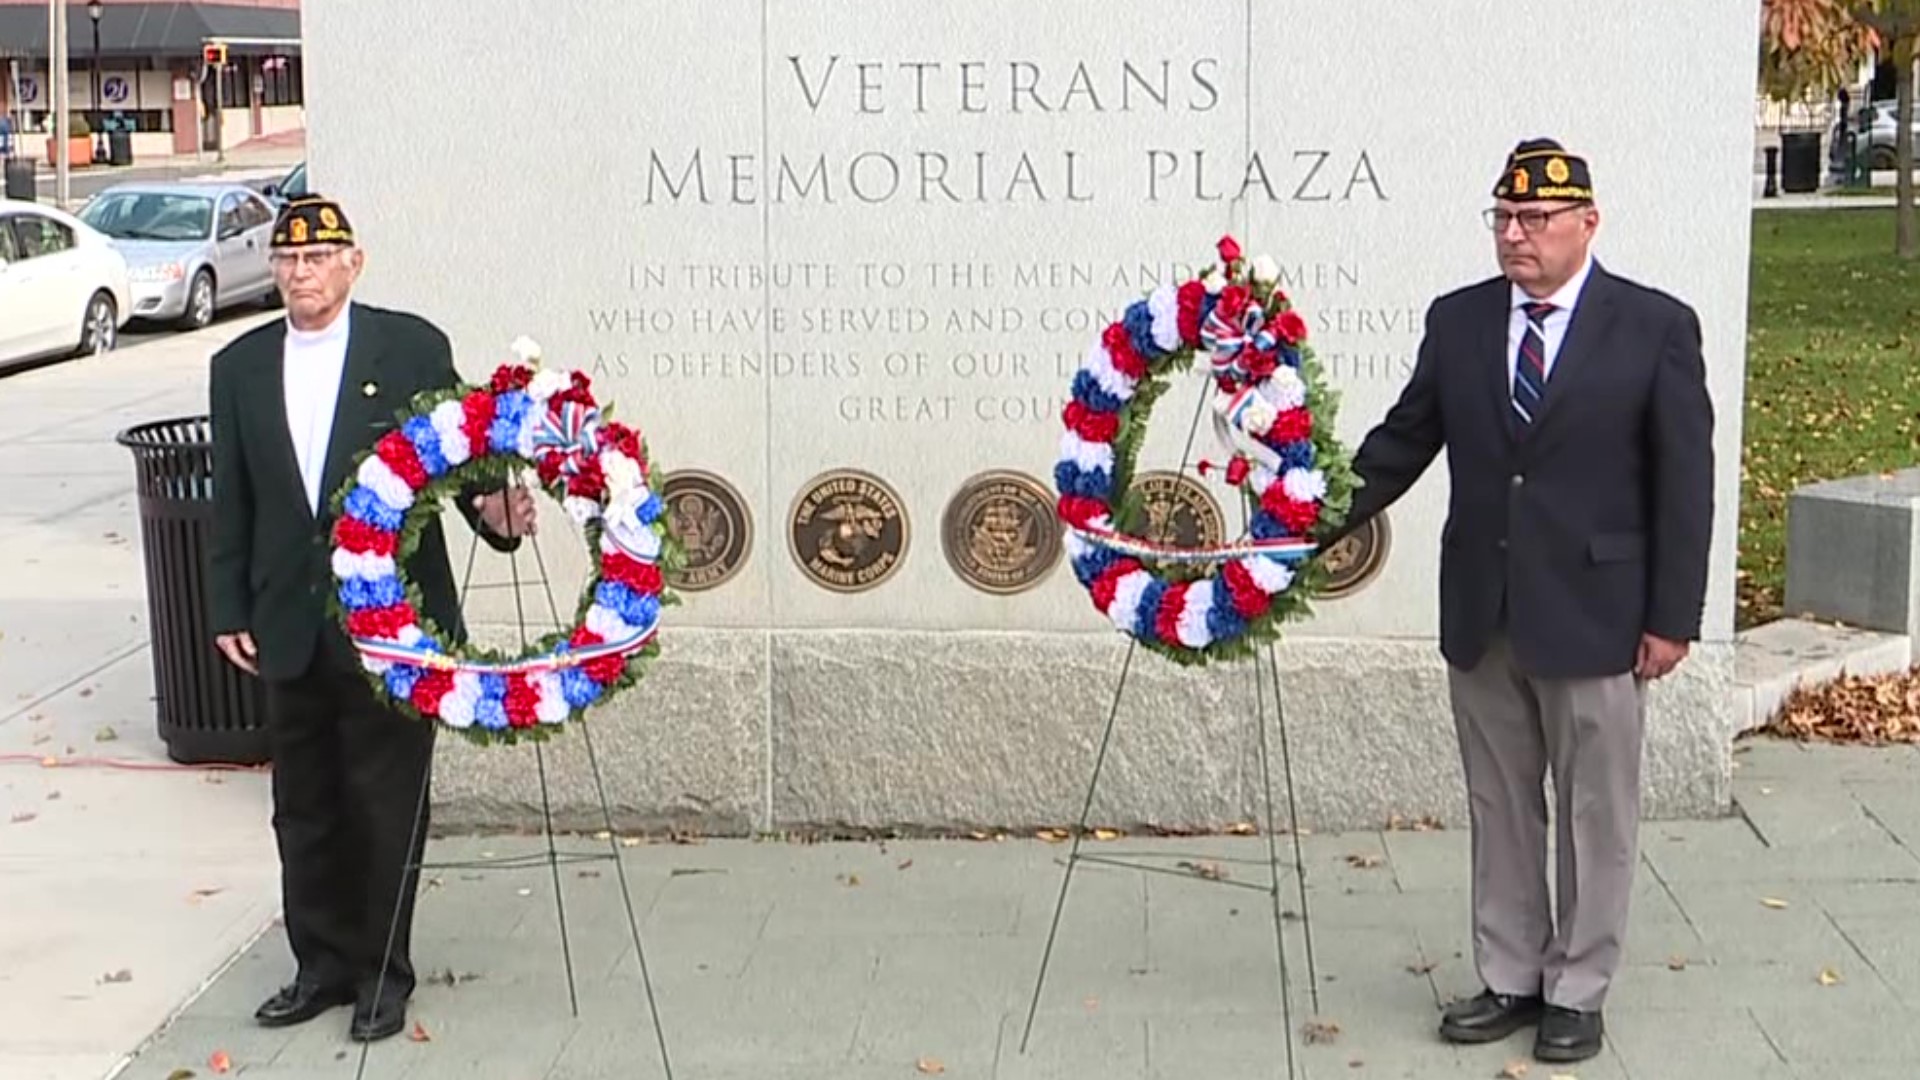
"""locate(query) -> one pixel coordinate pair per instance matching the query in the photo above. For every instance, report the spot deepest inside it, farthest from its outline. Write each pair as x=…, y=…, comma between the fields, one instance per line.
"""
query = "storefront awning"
x=151, y=29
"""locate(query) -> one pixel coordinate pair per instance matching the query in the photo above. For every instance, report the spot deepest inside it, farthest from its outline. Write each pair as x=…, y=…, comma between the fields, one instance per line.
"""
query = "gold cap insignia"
x=298, y=227
x=328, y=218
x=1557, y=170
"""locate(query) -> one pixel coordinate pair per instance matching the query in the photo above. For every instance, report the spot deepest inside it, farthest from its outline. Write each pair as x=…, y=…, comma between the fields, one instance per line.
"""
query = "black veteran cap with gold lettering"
x=1543, y=169
x=311, y=219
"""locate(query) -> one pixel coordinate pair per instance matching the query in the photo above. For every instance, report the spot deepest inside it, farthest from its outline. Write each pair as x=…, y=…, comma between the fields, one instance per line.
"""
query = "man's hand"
x=1658, y=656
x=507, y=513
x=238, y=649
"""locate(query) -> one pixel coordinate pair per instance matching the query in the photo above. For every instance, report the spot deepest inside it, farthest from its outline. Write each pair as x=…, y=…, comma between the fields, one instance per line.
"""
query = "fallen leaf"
x=198, y=895
x=850, y=880
x=1514, y=1071
x=629, y=841
x=122, y=976
x=930, y=1066
x=419, y=1033
x=181, y=1074
x=220, y=1062
x=1829, y=977
x=1676, y=962
x=53, y=796
x=904, y=865
x=1768, y=901
x=1208, y=869
x=589, y=873
x=106, y=734
x=1423, y=968
x=976, y=834
x=1320, y=1031
x=1105, y=834
x=24, y=816
x=1053, y=836
x=86, y=691
x=1364, y=862
x=1241, y=828
x=1355, y=1064
x=526, y=892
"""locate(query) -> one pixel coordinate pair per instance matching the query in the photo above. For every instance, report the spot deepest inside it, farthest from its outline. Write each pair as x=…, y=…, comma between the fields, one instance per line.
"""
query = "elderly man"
x=293, y=403
x=1573, y=407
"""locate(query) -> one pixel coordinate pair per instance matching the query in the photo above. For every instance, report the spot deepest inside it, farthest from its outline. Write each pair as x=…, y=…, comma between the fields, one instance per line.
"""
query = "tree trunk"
x=1903, y=238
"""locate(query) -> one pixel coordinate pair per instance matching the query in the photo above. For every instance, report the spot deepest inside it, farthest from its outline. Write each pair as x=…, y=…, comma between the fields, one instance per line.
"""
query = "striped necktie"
x=1530, y=367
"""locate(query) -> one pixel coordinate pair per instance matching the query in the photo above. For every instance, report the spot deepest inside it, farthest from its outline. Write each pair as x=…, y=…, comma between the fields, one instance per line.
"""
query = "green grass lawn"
x=1833, y=374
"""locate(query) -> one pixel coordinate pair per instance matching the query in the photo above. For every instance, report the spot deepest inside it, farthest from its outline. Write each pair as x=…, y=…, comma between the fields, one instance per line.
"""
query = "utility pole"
x=62, y=126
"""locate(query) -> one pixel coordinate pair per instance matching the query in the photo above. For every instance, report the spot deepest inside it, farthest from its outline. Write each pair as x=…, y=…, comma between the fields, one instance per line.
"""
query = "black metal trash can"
x=119, y=147
x=20, y=178
x=1800, y=161
x=209, y=710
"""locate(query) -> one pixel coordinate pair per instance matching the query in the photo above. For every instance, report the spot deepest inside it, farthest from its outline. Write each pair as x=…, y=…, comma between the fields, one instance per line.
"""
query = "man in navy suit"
x=1573, y=408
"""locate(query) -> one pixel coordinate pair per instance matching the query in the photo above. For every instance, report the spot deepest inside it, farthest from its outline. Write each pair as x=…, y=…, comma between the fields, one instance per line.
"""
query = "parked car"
x=192, y=249
x=63, y=287
x=289, y=187
x=1878, y=140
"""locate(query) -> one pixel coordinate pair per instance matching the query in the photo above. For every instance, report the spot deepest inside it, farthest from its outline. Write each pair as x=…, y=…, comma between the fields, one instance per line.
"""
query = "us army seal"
x=1000, y=533
x=1179, y=511
x=714, y=526
x=1356, y=560
x=848, y=531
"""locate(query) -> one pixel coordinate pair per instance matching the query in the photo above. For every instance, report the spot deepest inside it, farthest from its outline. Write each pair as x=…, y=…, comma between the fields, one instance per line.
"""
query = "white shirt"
x=1553, y=327
x=312, y=365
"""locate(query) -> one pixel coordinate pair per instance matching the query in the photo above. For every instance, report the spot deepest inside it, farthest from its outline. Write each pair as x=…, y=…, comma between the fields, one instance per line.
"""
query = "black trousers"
x=349, y=776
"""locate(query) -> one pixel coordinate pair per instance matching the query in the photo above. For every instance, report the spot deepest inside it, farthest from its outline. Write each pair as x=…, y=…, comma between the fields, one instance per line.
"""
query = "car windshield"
x=151, y=215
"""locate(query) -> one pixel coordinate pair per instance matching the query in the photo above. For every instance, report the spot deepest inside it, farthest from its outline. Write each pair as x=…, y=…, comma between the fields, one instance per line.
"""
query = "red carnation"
x=1249, y=602
x=1108, y=582
x=1091, y=425
x=1299, y=517
x=1229, y=250
x=1274, y=500
x=548, y=466
x=431, y=687
x=1192, y=295
x=1291, y=327
x=589, y=482
x=522, y=702
x=584, y=638
x=1166, y=618
x=478, y=409
x=642, y=578
x=511, y=377
x=1291, y=425
x=381, y=622
x=398, y=454
x=606, y=669
x=1120, y=347
x=1078, y=510
x=363, y=539
x=1232, y=307
x=1260, y=363
x=624, y=439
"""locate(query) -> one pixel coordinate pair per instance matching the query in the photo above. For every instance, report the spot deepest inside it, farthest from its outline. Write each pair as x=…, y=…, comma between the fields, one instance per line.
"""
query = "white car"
x=63, y=287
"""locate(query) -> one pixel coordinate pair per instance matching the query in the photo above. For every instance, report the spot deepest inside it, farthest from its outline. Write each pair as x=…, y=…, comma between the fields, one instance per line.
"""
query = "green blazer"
x=269, y=567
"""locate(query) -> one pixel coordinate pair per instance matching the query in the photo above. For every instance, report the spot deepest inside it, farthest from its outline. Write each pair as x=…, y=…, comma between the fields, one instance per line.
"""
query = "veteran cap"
x=311, y=219
x=1543, y=169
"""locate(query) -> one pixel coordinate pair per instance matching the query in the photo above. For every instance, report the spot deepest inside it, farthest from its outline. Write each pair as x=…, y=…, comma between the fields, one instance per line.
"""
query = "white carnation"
x=1305, y=485
x=1265, y=269
x=547, y=382
x=526, y=349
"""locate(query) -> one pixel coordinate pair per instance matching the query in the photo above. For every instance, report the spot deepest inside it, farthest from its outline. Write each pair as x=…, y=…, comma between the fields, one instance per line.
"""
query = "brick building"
x=150, y=69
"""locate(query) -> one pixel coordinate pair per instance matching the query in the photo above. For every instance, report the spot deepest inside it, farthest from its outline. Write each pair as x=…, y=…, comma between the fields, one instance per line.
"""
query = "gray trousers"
x=1512, y=728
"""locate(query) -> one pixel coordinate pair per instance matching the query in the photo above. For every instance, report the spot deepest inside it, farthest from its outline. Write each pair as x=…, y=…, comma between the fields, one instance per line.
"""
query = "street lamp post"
x=93, y=9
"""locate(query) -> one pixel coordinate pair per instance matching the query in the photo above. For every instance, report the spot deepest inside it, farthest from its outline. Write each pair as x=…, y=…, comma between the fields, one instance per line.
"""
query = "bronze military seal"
x=714, y=526
x=1000, y=533
x=1179, y=511
x=848, y=530
x=1357, y=559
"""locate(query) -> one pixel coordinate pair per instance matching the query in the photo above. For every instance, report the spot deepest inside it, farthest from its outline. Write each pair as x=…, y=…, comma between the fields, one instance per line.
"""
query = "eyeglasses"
x=313, y=259
x=1531, y=221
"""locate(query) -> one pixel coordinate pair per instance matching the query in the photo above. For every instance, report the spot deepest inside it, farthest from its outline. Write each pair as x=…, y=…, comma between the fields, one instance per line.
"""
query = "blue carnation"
x=1148, y=612
x=622, y=601
x=1070, y=479
x=650, y=511
x=1224, y=623
x=649, y=611
x=363, y=505
x=401, y=679
x=1297, y=454
x=1290, y=356
x=490, y=713
x=1139, y=324
x=358, y=594
x=580, y=691
x=426, y=443
x=509, y=415
x=1087, y=391
x=1090, y=566
x=1267, y=527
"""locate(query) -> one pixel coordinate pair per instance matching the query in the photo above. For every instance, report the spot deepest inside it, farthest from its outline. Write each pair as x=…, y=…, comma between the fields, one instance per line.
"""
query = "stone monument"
x=840, y=259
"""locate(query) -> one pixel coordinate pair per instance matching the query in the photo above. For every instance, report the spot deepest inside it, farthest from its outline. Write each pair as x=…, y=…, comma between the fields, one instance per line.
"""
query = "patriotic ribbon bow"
x=1229, y=344
x=568, y=435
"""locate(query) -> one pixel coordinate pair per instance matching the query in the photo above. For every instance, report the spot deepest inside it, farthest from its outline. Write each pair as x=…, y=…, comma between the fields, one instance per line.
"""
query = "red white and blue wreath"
x=1272, y=408
x=600, y=471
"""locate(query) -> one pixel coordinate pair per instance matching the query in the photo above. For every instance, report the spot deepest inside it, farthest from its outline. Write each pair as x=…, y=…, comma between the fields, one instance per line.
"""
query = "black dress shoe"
x=299, y=1002
x=1568, y=1035
x=378, y=1018
x=1489, y=1017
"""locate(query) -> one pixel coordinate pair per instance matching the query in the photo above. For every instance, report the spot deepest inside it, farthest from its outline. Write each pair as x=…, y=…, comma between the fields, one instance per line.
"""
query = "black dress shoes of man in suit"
x=377, y=1017
x=298, y=1002
x=1489, y=1017
x=1567, y=1035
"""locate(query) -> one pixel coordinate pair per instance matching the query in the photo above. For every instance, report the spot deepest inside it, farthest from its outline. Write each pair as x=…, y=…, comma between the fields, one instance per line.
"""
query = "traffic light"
x=214, y=53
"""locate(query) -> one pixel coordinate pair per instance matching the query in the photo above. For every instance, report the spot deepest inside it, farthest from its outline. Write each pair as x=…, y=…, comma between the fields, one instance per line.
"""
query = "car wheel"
x=1881, y=157
x=101, y=330
x=199, y=313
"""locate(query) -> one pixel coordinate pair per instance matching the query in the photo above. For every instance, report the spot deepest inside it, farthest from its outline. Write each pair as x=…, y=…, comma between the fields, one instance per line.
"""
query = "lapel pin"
x=368, y=389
